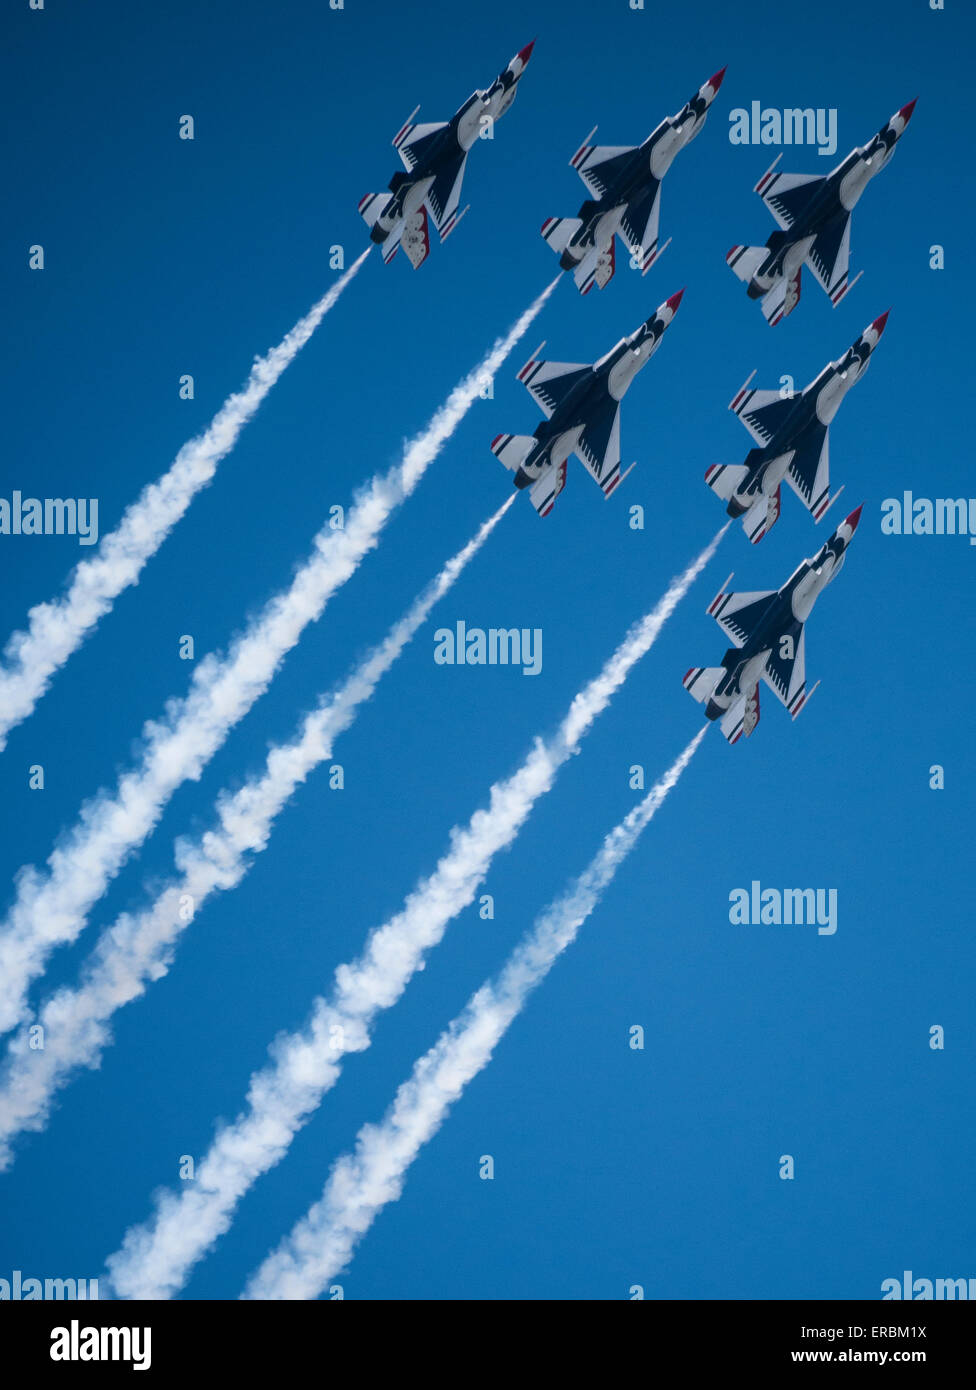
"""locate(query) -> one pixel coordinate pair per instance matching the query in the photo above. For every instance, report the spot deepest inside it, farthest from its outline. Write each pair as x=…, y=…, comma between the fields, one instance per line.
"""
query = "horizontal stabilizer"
x=725, y=479
x=512, y=449
x=700, y=681
x=742, y=716
x=746, y=260
x=596, y=268
x=782, y=299
x=415, y=237
x=546, y=489
x=559, y=231
x=372, y=206
x=763, y=514
x=391, y=245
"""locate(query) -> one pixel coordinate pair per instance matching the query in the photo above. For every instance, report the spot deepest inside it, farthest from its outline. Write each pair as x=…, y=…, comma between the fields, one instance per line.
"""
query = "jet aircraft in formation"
x=814, y=216
x=435, y=156
x=769, y=632
x=581, y=402
x=625, y=181
x=791, y=434
x=582, y=408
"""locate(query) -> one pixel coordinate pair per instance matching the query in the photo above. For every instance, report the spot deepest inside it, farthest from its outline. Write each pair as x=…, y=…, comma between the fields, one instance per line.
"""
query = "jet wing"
x=599, y=446
x=785, y=672
x=414, y=142
x=808, y=473
x=830, y=255
x=762, y=412
x=549, y=383
x=639, y=226
x=739, y=615
x=599, y=166
x=445, y=193
x=787, y=195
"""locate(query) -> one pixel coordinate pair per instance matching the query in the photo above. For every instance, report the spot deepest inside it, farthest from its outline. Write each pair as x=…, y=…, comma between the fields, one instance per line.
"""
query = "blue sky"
x=613, y=1167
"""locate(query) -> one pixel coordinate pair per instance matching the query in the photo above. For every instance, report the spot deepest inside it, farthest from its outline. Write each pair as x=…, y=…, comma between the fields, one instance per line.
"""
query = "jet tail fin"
x=559, y=231
x=700, y=681
x=512, y=449
x=725, y=479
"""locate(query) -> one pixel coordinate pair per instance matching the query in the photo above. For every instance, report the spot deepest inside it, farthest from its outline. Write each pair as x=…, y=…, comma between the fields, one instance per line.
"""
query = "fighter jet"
x=582, y=409
x=792, y=435
x=814, y=215
x=768, y=630
x=435, y=155
x=625, y=181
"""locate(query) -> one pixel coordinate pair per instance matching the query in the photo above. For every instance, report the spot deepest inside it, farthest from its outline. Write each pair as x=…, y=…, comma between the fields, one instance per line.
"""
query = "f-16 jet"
x=769, y=632
x=792, y=436
x=814, y=216
x=435, y=156
x=582, y=408
x=625, y=181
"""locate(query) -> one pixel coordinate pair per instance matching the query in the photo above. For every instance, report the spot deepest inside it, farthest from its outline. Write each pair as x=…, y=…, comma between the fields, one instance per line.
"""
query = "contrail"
x=57, y=629
x=51, y=910
x=155, y=1259
x=361, y=1183
x=139, y=947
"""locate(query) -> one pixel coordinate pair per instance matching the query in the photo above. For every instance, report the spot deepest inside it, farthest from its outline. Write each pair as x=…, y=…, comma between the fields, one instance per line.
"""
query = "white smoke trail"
x=49, y=911
x=361, y=1183
x=57, y=629
x=155, y=1259
x=139, y=947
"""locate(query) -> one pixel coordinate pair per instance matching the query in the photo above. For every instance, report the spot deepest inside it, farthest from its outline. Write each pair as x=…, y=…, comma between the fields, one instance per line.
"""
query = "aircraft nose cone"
x=854, y=518
x=524, y=54
x=879, y=323
x=906, y=111
x=716, y=81
x=674, y=301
